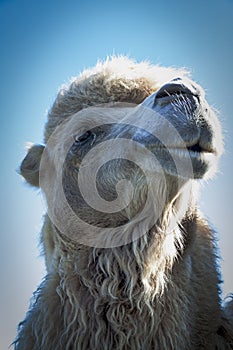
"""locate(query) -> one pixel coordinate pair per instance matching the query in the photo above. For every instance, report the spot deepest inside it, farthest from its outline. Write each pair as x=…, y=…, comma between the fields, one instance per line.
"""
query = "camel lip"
x=185, y=152
x=184, y=163
x=196, y=149
x=200, y=148
x=198, y=154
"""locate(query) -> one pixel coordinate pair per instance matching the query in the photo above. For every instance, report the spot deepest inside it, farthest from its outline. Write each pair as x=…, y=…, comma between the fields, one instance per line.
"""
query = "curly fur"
x=161, y=291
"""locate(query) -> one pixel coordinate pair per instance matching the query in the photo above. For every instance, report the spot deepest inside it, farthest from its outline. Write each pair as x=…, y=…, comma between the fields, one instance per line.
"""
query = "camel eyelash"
x=87, y=136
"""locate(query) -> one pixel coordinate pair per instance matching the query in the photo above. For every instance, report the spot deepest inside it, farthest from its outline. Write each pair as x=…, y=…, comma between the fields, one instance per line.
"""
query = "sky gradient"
x=44, y=44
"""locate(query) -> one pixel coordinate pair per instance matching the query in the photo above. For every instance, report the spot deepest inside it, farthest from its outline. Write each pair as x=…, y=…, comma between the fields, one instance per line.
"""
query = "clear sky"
x=43, y=44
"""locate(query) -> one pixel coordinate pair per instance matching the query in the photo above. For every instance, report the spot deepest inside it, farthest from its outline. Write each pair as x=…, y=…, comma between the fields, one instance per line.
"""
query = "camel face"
x=110, y=164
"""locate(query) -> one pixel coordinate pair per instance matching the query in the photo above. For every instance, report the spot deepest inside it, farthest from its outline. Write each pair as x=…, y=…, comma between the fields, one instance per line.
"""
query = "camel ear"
x=30, y=166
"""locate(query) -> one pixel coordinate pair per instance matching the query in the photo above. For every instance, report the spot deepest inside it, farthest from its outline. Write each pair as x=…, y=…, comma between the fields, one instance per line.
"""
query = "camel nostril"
x=173, y=89
x=167, y=92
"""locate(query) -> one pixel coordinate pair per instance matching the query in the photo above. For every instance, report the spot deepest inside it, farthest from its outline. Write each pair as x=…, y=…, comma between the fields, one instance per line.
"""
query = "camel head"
x=113, y=169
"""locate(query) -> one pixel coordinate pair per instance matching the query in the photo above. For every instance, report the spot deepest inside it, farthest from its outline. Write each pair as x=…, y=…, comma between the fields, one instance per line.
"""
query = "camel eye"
x=88, y=136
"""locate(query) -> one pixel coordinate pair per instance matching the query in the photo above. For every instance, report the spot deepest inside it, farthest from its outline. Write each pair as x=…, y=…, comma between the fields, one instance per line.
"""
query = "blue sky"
x=43, y=44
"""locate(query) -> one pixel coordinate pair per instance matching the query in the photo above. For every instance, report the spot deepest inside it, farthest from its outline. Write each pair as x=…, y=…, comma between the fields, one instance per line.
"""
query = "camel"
x=131, y=262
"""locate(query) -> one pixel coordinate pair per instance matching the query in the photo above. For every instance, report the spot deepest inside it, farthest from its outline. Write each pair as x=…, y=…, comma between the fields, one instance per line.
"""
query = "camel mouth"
x=198, y=148
x=191, y=161
x=195, y=149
